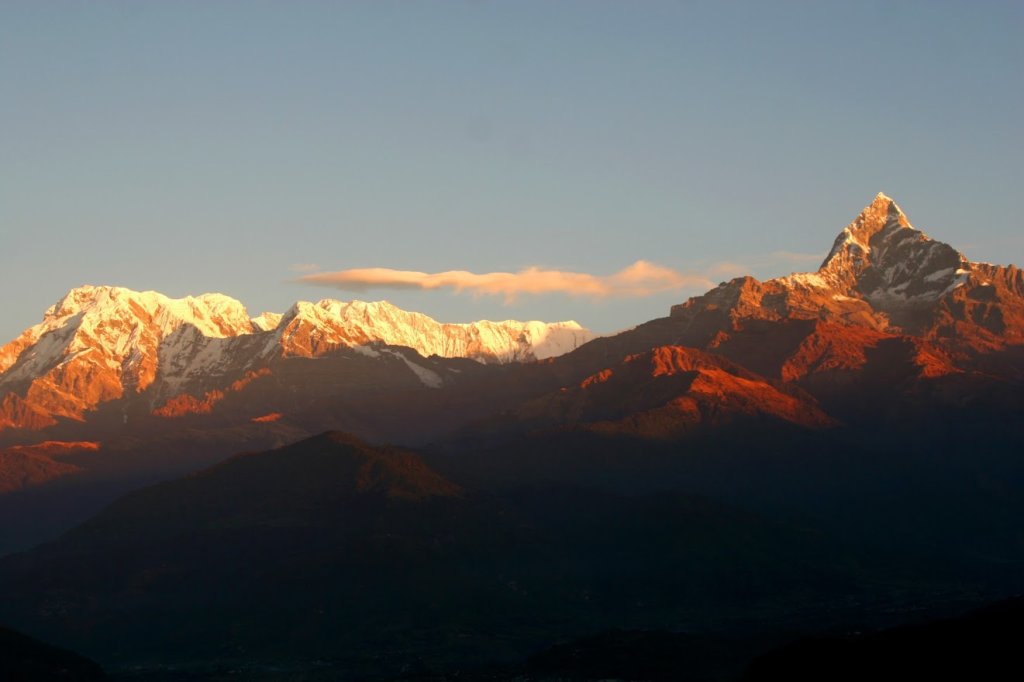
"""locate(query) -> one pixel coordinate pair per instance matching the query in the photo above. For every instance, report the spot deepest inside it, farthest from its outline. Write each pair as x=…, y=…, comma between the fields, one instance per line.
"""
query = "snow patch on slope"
x=429, y=378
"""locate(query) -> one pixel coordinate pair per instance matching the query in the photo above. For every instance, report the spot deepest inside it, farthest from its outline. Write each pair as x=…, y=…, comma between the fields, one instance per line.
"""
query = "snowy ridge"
x=214, y=315
x=313, y=328
x=101, y=343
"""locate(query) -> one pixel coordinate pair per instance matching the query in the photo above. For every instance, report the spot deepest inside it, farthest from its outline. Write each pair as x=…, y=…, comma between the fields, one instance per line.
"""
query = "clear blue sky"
x=213, y=146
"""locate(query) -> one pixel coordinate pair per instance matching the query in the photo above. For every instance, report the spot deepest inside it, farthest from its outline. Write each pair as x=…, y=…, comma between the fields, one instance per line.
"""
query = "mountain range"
x=116, y=384
x=884, y=289
x=103, y=344
x=840, y=445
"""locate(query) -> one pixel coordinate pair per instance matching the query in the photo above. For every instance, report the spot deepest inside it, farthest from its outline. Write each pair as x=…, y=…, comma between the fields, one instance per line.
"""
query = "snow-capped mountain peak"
x=881, y=257
x=881, y=272
x=98, y=343
x=855, y=240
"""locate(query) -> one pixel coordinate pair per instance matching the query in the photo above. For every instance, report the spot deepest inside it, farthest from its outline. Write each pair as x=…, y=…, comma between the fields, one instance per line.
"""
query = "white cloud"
x=640, y=279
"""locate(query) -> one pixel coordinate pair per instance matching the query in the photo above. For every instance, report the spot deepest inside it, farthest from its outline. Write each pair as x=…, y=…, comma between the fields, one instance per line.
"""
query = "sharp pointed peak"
x=884, y=202
x=882, y=213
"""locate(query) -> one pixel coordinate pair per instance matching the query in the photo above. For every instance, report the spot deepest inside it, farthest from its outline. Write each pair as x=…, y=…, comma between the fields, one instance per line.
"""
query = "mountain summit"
x=884, y=274
x=880, y=214
x=881, y=257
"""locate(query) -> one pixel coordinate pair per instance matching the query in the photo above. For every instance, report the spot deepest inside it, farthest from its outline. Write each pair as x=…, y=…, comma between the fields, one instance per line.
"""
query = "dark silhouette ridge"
x=332, y=547
x=981, y=645
x=24, y=659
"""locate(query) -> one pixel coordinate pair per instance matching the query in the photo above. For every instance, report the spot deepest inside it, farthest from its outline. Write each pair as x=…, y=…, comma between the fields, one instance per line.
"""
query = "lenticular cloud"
x=639, y=279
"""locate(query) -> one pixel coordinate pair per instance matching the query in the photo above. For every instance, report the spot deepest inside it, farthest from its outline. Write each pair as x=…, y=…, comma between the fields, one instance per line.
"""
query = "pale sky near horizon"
x=188, y=147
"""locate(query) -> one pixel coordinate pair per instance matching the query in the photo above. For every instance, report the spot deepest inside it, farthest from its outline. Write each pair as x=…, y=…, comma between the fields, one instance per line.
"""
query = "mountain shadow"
x=982, y=645
x=24, y=659
x=335, y=550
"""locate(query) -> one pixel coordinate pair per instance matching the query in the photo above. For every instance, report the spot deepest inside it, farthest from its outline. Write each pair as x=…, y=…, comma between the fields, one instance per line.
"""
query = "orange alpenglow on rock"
x=26, y=466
